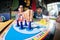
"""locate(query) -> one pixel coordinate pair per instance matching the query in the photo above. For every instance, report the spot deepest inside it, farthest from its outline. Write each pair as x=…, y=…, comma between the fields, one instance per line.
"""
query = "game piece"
x=25, y=23
x=29, y=26
x=43, y=22
x=17, y=23
x=21, y=25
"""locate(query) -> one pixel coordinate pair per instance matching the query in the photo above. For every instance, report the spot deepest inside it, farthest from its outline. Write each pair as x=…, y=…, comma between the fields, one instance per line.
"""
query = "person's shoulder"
x=35, y=12
x=31, y=10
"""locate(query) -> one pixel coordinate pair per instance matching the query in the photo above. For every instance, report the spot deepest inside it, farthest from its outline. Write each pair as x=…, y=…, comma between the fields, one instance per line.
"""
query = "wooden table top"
x=4, y=24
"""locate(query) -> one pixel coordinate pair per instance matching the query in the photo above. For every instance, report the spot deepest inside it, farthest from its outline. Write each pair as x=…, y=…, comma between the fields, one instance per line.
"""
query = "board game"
x=29, y=31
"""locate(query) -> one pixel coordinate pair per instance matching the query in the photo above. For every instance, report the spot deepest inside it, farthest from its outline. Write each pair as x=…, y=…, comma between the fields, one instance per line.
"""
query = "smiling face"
x=39, y=10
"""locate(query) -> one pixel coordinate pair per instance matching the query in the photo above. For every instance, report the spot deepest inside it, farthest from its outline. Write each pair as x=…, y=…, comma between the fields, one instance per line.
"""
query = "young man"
x=38, y=13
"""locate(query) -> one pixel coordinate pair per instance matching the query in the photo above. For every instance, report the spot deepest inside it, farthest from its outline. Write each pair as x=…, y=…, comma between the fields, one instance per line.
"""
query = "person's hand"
x=58, y=19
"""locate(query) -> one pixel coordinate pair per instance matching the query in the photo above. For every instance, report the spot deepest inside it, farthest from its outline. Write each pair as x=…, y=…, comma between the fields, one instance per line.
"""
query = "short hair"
x=39, y=7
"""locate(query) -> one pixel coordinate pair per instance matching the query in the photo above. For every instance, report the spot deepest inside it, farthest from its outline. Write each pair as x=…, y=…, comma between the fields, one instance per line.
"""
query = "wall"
x=6, y=15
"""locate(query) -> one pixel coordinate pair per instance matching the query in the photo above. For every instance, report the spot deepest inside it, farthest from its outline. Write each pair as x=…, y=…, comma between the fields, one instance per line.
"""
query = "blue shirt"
x=38, y=16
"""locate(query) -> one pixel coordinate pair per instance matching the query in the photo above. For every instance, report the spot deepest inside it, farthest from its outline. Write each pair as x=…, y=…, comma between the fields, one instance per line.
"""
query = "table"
x=4, y=24
x=13, y=34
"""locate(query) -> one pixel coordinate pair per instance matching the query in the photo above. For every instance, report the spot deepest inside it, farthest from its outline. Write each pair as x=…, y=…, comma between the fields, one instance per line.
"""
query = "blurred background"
x=9, y=6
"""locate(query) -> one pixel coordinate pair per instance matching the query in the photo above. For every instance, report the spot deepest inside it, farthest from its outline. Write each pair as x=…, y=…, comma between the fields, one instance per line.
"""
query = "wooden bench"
x=3, y=25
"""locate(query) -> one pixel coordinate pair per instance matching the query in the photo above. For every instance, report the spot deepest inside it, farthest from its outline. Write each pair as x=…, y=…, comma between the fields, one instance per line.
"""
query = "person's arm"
x=31, y=15
x=17, y=15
